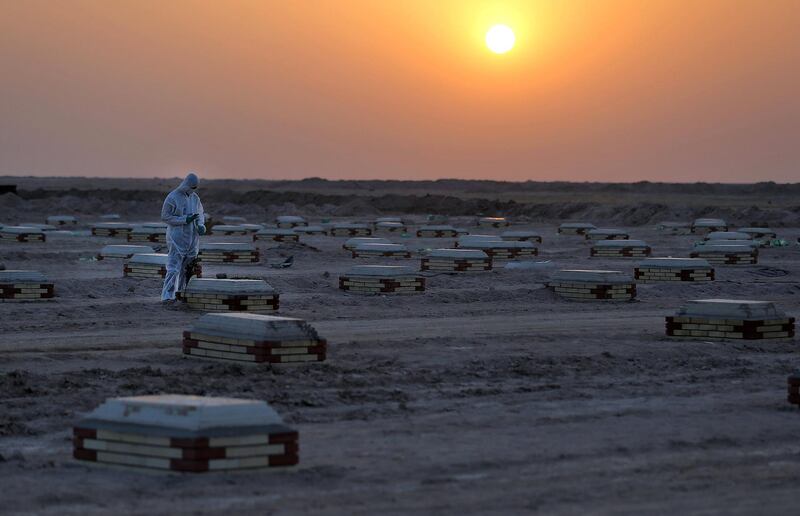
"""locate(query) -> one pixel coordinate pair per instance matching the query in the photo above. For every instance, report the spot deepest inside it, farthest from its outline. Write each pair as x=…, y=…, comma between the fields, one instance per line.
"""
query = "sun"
x=500, y=39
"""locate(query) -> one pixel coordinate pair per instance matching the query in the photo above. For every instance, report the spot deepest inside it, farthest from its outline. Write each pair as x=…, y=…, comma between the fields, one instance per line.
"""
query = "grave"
x=727, y=254
x=191, y=434
x=310, y=230
x=21, y=234
x=148, y=265
x=593, y=285
x=673, y=269
x=382, y=279
x=351, y=243
x=229, y=230
x=254, y=338
x=493, y=222
x=112, y=229
x=238, y=295
x=233, y=220
x=620, y=249
x=350, y=229
x=503, y=249
x=252, y=228
x=727, y=235
x=438, y=231
x=456, y=260
x=388, y=219
x=290, y=221
x=43, y=227
x=228, y=252
x=144, y=233
x=674, y=228
x=390, y=226
x=372, y=250
x=110, y=216
x=123, y=251
x=575, y=228
x=277, y=235
x=708, y=225
x=467, y=241
x=730, y=319
x=61, y=220
x=759, y=233
x=523, y=236
x=607, y=234
x=24, y=285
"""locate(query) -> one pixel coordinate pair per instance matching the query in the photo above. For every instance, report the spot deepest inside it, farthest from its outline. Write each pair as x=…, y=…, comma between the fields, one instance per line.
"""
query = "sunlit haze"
x=614, y=90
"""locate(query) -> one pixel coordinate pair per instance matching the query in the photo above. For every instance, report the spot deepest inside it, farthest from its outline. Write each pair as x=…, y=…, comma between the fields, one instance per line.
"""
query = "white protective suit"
x=183, y=240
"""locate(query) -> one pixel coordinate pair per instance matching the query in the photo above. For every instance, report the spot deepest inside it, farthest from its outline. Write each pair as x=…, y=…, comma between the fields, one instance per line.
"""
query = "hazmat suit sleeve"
x=201, y=218
x=169, y=213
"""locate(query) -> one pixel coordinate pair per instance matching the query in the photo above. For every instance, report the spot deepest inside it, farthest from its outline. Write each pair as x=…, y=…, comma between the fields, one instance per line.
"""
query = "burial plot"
x=575, y=228
x=620, y=249
x=372, y=250
x=233, y=220
x=192, y=434
x=523, y=236
x=123, y=251
x=707, y=225
x=438, y=231
x=146, y=265
x=759, y=233
x=727, y=235
x=504, y=250
x=673, y=269
x=229, y=230
x=674, y=228
x=351, y=243
x=350, y=230
x=730, y=319
x=22, y=234
x=277, y=235
x=310, y=230
x=727, y=254
x=252, y=228
x=254, y=338
x=456, y=260
x=43, y=227
x=467, y=241
x=390, y=226
x=24, y=286
x=382, y=279
x=607, y=234
x=593, y=285
x=152, y=234
x=290, y=221
x=236, y=295
x=228, y=252
x=112, y=229
x=62, y=220
x=493, y=222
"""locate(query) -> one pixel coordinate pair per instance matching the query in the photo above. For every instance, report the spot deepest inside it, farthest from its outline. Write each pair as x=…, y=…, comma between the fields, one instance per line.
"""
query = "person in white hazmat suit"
x=183, y=213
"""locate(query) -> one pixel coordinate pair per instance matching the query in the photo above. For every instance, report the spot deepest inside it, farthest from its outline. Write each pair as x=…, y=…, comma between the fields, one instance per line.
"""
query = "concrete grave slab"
x=575, y=228
x=229, y=230
x=143, y=233
x=351, y=243
x=290, y=221
x=24, y=285
x=437, y=231
x=112, y=229
x=185, y=433
x=391, y=227
x=238, y=295
x=493, y=222
x=730, y=319
x=380, y=250
x=310, y=230
x=123, y=251
x=467, y=241
x=707, y=225
x=148, y=265
x=62, y=220
x=727, y=254
x=620, y=249
x=228, y=252
x=654, y=270
x=277, y=235
x=233, y=220
x=456, y=260
x=674, y=228
x=592, y=285
x=727, y=235
x=23, y=234
x=382, y=279
x=607, y=234
x=256, y=338
x=351, y=229
x=522, y=235
x=504, y=249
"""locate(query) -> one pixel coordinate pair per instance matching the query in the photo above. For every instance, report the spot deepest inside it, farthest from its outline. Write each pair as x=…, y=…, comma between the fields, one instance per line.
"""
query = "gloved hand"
x=201, y=229
x=191, y=218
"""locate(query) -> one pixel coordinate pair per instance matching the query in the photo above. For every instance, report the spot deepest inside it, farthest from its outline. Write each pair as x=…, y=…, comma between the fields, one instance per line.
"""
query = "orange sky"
x=595, y=90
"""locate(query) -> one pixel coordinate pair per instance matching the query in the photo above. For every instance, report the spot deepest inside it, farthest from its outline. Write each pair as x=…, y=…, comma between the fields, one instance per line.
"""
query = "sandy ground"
x=485, y=394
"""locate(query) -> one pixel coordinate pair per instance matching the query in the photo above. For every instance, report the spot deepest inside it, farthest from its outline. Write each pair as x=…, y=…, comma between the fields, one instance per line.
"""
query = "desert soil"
x=485, y=394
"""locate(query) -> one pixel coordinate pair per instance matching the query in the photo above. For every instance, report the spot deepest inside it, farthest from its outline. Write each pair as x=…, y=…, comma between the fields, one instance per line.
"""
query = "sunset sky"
x=594, y=90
